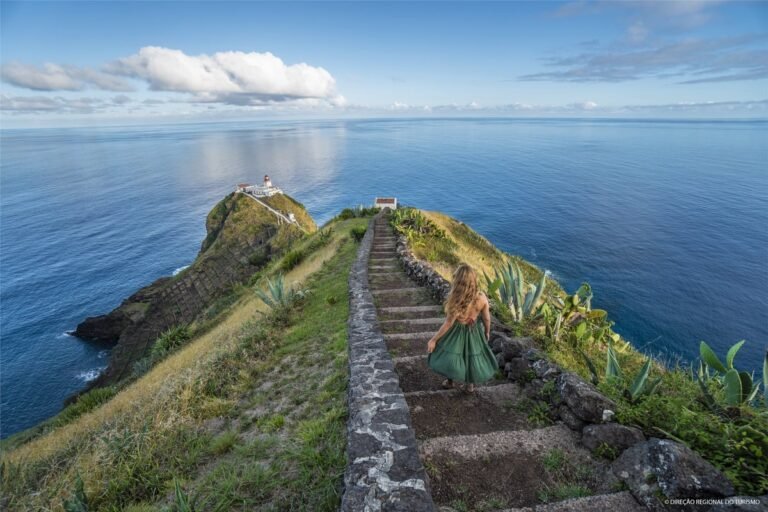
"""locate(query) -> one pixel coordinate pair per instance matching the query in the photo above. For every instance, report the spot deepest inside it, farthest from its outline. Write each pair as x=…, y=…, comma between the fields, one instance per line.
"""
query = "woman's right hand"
x=431, y=345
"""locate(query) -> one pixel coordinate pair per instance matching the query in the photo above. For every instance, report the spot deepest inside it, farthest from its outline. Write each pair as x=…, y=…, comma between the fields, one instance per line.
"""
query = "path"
x=480, y=451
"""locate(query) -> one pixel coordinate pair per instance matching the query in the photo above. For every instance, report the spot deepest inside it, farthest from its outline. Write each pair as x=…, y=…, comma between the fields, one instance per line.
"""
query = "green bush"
x=357, y=233
x=258, y=258
x=85, y=403
x=346, y=213
x=169, y=341
x=292, y=259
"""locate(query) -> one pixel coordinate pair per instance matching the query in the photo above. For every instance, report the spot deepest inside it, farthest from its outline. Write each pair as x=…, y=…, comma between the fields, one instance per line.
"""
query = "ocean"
x=668, y=220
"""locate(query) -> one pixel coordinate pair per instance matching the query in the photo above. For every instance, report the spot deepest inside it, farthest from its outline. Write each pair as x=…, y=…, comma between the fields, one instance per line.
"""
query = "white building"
x=266, y=189
x=385, y=202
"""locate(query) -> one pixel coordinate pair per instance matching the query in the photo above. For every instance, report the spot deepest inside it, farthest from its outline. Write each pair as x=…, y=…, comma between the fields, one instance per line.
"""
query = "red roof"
x=243, y=185
x=385, y=199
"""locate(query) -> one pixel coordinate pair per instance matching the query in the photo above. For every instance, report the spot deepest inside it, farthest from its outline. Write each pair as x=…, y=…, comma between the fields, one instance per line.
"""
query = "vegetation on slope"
x=665, y=400
x=247, y=414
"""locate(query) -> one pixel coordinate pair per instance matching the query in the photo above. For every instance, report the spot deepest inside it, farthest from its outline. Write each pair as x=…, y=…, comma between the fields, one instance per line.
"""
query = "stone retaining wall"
x=654, y=470
x=384, y=472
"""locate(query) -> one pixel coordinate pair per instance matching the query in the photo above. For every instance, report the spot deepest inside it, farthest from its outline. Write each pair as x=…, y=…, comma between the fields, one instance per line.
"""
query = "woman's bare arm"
x=486, y=311
x=449, y=320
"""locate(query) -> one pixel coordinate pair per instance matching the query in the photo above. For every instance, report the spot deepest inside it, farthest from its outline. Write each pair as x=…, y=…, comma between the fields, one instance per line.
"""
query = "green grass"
x=186, y=420
x=567, y=478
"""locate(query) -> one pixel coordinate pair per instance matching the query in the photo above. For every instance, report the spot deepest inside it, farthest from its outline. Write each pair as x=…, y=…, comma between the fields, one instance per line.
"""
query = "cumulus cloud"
x=233, y=77
x=692, y=60
x=55, y=77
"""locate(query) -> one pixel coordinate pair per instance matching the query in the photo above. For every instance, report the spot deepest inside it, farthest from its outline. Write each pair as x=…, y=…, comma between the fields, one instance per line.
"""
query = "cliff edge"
x=242, y=235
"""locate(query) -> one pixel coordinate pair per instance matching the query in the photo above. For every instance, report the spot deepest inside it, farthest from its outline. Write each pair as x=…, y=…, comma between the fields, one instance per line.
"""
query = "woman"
x=459, y=350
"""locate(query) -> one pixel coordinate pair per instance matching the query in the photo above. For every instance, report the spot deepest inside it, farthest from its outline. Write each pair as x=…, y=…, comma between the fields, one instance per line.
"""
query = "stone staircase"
x=481, y=451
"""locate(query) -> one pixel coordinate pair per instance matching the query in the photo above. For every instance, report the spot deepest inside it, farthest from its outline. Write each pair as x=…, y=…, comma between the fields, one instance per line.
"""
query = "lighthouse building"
x=266, y=189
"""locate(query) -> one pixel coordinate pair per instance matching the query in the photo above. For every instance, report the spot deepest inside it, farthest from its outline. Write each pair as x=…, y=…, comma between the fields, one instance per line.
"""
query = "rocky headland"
x=242, y=236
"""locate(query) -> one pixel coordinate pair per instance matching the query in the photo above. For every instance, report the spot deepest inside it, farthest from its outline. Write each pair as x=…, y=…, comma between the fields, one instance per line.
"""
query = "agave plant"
x=641, y=385
x=738, y=386
x=278, y=295
x=522, y=299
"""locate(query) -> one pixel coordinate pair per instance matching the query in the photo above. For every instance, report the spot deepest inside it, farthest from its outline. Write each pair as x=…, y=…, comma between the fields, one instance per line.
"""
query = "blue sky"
x=100, y=61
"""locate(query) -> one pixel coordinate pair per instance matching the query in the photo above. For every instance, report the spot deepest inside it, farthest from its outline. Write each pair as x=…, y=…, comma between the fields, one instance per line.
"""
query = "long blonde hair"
x=463, y=291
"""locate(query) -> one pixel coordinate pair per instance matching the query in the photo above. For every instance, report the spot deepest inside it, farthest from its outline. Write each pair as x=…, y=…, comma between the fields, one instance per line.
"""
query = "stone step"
x=415, y=298
x=617, y=502
x=383, y=261
x=383, y=274
x=398, y=336
x=403, y=348
x=401, y=329
x=411, y=309
x=415, y=321
x=405, y=290
x=383, y=254
x=507, y=442
x=384, y=267
x=508, y=466
x=456, y=412
x=409, y=359
x=388, y=283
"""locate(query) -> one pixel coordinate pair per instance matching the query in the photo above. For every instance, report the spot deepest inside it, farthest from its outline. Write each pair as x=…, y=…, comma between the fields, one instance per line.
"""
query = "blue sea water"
x=667, y=220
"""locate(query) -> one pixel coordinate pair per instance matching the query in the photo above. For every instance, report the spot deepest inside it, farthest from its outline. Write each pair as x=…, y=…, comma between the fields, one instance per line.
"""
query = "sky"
x=98, y=62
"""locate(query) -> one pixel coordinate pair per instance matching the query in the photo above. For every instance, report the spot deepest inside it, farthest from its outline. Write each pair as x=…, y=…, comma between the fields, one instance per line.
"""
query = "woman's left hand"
x=431, y=345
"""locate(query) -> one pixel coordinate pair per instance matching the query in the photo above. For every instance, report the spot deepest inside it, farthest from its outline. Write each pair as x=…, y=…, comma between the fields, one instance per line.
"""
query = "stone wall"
x=384, y=472
x=654, y=470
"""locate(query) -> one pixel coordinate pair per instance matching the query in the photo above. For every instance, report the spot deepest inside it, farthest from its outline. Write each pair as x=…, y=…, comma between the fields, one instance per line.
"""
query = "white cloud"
x=228, y=77
x=55, y=77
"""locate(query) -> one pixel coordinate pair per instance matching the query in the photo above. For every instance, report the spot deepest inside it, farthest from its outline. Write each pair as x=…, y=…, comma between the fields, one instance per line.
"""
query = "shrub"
x=258, y=258
x=346, y=213
x=169, y=341
x=357, y=233
x=320, y=239
x=292, y=259
x=85, y=403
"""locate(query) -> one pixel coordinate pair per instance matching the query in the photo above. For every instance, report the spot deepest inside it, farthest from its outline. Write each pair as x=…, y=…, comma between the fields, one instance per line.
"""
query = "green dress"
x=463, y=354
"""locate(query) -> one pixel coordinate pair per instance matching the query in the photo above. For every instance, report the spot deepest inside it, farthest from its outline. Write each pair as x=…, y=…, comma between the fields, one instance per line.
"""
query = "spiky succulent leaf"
x=746, y=385
x=765, y=377
x=538, y=290
x=652, y=385
x=732, y=383
x=612, y=368
x=637, y=386
x=732, y=353
x=710, y=358
x=591, y=366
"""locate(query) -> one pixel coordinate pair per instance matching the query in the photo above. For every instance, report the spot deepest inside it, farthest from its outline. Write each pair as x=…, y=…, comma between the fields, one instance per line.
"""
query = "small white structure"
x=385, y=202
x=266, y=189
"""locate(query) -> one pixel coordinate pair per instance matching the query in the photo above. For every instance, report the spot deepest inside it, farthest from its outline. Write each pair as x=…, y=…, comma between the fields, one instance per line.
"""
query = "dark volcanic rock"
x=242, y=235
x=660, y=469
x=586, y=402
x=571, y=420
x=619, y=437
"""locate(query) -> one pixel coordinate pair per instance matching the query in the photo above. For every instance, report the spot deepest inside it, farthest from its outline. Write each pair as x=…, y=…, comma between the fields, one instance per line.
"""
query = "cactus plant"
x=737, y=386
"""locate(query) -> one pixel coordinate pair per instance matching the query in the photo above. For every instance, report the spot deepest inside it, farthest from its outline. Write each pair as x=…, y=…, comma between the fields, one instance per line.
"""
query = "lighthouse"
x=266, y=189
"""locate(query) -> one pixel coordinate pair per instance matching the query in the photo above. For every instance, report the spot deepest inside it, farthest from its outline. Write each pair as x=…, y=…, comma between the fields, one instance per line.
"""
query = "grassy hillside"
x=732, y=437
x=248, y=414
